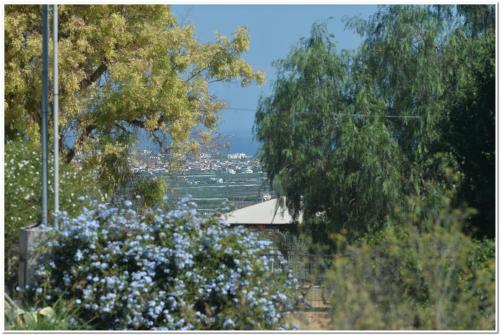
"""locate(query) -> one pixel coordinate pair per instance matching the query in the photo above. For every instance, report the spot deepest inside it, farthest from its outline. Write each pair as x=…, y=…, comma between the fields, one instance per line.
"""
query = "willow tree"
x=470, y=134
x=123, y=69
x=326, y=141
x=434, y=68
x=350, y=136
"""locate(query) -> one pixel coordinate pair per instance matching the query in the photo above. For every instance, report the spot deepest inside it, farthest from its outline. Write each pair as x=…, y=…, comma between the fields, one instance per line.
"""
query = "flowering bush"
x=164, y=270
x=23, y=196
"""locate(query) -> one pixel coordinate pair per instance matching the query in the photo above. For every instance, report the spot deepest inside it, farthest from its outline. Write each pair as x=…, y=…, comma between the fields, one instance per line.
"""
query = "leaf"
x=47, y=312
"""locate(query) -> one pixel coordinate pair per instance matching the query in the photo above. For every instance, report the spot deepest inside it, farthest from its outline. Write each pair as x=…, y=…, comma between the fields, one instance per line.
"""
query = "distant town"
x=146, y=161
x=216, y=182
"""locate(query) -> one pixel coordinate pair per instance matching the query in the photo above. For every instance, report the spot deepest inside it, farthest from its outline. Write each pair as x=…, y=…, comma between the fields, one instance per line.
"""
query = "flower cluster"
x=23, y=197
x=165, y=270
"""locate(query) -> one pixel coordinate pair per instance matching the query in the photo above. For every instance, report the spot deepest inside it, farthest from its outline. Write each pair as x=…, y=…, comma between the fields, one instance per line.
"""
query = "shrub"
x=150, y=191
x=23, y=196
x=164, y=270
x=415, y=275
x=59, y=316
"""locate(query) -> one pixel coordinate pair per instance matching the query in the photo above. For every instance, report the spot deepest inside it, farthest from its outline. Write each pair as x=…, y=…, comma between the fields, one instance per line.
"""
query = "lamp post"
x=45, y=110
x=56, y=118
x=30, y=236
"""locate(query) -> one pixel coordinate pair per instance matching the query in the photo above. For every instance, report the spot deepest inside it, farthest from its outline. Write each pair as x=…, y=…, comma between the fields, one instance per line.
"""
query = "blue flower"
x=128, y=270
x=228, y=324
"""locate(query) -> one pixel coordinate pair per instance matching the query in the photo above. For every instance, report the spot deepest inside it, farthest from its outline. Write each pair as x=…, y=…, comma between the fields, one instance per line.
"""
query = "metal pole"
x=56, y=118
x=45, y=110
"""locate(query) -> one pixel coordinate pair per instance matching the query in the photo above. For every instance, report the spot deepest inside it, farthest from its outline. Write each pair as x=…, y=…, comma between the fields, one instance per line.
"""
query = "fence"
x=309, y=270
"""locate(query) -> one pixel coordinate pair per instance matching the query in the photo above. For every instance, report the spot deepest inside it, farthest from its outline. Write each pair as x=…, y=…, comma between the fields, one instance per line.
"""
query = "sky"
x=273, y=30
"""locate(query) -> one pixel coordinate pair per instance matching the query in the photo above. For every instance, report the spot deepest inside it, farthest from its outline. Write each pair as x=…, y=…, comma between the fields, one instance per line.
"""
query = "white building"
x=266, y=213
x=238, y=155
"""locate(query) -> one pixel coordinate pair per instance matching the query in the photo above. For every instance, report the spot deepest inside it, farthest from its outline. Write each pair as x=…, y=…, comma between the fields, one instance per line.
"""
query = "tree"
x=326, y=140
x=438, y=63
x=350, y=136
x=470, y=133
x=123, y=69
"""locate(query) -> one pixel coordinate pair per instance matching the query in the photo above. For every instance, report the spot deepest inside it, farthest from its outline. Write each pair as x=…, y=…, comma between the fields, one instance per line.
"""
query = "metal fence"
x=309, y=270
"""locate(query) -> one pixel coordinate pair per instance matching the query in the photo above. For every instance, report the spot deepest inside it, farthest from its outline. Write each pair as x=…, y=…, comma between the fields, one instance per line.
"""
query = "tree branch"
x=219, y=80
x=141, y=124
x=197, y=73
x=93, y=77
x=72, y=152
x=162, y=145
x=121, y=127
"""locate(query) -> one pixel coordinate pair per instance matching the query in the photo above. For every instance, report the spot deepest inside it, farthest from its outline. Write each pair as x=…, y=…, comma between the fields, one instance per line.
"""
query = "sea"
x=235, y=143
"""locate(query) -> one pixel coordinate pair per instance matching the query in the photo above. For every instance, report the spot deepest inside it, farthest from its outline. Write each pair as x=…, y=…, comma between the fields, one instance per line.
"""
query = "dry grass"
x=309, y=320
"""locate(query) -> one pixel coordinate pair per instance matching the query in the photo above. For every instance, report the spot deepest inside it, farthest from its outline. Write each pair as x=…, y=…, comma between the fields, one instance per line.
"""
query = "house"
x=266, y=214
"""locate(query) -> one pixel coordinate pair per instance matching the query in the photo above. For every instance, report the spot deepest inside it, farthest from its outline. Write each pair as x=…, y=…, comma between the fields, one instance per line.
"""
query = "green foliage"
x=470, y=133
x=400, y=61
x=150, y=192
x=163, y=270
x=23, y=197
x=60, y=316
x=124, y=70
x=348, y=135
x=112, y=167
x=415, y=275
x=329, y=147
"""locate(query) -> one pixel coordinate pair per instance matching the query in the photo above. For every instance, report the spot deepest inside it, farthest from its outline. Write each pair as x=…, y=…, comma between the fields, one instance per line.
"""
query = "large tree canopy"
x=349, y=135
x=470, y=132
x=122, y=68
x=323, y=139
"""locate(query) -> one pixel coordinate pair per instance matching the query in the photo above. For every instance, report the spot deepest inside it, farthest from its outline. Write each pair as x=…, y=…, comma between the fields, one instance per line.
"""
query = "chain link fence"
x=309, y=270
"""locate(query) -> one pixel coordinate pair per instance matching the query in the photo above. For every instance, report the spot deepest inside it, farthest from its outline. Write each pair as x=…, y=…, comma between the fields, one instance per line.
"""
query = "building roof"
x=263, y=213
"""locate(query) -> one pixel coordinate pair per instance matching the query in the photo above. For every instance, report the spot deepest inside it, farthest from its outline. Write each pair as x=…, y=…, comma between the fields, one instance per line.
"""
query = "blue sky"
x=273, y=30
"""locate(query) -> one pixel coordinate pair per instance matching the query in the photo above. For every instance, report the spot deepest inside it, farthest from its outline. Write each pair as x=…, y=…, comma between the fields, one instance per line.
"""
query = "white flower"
x=78, y=255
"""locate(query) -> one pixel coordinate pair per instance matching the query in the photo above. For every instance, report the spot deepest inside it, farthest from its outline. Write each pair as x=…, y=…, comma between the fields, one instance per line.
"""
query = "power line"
x=240, y=109
x=390, y=116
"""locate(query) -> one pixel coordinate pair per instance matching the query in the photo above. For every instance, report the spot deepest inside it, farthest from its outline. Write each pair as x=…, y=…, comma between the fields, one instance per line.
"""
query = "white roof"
x=266, y=212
